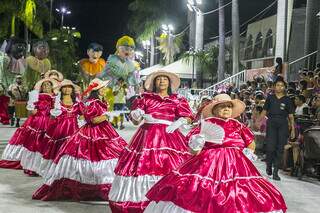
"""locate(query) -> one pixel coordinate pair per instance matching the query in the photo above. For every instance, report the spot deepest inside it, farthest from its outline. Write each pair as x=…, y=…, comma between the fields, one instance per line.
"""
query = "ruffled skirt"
x=217, y=180
x=84, y=166
x=151, y=154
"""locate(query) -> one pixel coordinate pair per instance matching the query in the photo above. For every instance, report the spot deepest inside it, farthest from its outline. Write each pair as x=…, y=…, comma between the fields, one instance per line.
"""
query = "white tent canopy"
x=180, y=67
x=183, y=69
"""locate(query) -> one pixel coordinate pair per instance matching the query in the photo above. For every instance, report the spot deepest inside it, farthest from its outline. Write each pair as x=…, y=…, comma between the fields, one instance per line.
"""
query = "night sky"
x=104, y=21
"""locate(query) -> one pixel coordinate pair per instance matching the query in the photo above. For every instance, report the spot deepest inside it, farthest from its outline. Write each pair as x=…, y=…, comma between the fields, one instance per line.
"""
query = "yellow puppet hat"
x=126, y=41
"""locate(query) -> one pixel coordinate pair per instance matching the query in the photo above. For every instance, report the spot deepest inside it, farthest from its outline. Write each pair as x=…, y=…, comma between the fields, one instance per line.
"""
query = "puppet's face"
x=41, y=50
x=18, y=50
x=125, y=52
x=94, y=55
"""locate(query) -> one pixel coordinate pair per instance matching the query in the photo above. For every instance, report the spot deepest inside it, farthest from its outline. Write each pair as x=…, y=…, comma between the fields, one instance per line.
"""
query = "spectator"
x=18, y=101
x=119, y=92
x=300, y=102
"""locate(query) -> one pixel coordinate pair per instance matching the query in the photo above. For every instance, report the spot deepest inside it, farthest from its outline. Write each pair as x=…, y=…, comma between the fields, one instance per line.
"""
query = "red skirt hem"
x=66, y=189
x=7, y=164
x=128, y=207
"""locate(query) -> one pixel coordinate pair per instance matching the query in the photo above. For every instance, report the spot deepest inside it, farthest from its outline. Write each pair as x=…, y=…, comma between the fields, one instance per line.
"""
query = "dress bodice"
x=93, y=108
x=167, y=108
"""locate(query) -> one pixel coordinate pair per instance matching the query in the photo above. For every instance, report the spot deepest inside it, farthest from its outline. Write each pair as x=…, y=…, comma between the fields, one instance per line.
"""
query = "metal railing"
x=236, y=79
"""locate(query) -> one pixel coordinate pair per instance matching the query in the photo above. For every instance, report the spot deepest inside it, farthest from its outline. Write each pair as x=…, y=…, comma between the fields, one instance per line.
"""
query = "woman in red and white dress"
x=221, y=176
x=156, y=148
x=84, y=166
x=62, y=126
x=23, y=146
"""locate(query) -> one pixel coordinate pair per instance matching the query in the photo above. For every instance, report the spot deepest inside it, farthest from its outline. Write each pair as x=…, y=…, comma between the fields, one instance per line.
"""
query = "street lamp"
x=63, y=11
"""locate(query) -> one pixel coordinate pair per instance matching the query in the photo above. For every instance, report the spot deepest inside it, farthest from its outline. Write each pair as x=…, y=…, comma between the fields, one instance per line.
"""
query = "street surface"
x=16, y=189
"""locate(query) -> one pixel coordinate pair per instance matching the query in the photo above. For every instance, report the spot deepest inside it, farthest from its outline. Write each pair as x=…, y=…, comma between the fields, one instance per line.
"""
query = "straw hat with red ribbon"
x=95, y=84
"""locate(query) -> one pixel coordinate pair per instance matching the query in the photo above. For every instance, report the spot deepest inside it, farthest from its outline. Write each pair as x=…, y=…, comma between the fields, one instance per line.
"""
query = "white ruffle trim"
x=31, y=160
x=133, y=189
x=83, y=171
x=164, y=207
x=170, y=207
x=12, y=152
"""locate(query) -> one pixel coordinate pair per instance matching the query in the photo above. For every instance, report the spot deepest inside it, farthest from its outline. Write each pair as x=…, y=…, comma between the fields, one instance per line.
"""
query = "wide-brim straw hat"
x=174, y=79
x=99, y=83
x=67, y=82
x=238, y=106
x=50, y=72
x=95, y=84
x=38, y=85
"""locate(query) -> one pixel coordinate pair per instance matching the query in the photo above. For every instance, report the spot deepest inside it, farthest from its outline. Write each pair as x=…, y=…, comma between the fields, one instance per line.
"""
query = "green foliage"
x=33, y=13
x=169, y=51
x=147, y=17
x=206, y=60
x=63, y=48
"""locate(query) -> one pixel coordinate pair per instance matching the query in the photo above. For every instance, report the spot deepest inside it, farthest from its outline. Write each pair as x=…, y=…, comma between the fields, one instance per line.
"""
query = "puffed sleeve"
x=247, y=135
x=138, y=103
x=183, y=109
x=95, y=108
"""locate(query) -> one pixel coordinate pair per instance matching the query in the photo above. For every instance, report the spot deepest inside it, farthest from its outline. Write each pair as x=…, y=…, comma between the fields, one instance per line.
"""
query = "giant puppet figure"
x=121, y=65
x=12, y=60
x=38, y=64
x=92, y=66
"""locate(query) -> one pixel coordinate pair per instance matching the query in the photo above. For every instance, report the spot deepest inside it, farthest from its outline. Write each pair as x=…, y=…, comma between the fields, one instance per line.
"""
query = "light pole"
x=167, y=30
x=63, y=11
x=193, y=6
x=146, y=44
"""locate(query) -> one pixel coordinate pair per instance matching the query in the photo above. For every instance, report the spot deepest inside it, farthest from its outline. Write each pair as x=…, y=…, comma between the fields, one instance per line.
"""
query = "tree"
x=169, y=46
x=221, y=58
x=206, y=61
x=235, y=36
x=63, y=48
x=31, y=13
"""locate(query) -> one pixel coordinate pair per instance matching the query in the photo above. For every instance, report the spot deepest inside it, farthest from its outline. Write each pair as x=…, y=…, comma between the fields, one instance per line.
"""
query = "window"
x=257, y=50
x=268, y=44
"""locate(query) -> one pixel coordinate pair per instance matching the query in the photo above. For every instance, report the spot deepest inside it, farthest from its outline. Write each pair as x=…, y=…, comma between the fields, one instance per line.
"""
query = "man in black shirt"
x=279, y=110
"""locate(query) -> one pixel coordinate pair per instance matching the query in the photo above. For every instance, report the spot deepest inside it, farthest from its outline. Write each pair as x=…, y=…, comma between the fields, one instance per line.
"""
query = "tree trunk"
x=221, y=58
x=311, y=31
x=235, y=37
x=152, y=48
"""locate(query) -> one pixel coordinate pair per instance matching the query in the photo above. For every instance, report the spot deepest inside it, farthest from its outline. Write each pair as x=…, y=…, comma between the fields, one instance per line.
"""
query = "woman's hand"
x=99, y=119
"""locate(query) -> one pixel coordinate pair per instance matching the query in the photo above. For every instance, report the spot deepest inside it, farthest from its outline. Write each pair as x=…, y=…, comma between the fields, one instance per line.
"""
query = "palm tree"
x=207, y=62
x=169, y=46
x=221, y=59
x=311, y=30
x=235, y=36
x=32, y=13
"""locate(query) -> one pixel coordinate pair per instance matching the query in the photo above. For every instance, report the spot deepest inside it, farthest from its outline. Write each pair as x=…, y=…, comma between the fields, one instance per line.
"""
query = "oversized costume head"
x=16, y=48
x=40, y=50
x=94, y=52
x=125, y=47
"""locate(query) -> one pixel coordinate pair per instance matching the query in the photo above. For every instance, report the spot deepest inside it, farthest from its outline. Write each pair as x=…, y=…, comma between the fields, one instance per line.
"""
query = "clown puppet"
x=92, y=66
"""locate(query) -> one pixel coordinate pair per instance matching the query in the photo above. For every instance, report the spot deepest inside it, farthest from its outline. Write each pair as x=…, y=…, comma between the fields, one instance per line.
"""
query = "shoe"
x=275, y=175
x=17, y=125
x=121, y=127
x=269, y=170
